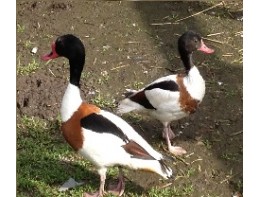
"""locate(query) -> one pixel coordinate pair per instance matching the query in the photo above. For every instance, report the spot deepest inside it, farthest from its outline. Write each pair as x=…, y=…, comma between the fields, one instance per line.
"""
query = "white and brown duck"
x=172, y=97
x=102, y=137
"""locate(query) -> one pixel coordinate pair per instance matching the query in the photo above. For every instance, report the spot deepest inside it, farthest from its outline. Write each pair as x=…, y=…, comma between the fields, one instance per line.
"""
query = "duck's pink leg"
x=101, y=192
x=118, y=189
x=169, y=134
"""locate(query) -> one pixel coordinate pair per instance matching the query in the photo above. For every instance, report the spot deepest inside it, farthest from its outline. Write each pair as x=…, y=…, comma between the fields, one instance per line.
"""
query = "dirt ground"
x=130, y=44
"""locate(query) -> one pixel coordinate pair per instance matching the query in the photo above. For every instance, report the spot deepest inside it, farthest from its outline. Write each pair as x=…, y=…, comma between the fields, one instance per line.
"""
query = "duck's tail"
x=126, y=106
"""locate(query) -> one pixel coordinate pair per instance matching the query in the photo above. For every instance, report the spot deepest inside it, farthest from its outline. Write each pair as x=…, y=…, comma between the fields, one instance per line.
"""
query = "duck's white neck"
x=70, y=102
x=195, y=84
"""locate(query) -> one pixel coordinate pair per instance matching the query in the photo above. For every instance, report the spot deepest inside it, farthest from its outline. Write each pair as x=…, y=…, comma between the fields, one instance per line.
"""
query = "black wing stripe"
x=141, y=99
x=100, y=124
x=164, y=85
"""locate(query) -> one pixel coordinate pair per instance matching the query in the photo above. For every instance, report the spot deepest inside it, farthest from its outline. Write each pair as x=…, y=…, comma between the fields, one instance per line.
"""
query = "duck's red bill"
x=52, y=55
x=205, y=49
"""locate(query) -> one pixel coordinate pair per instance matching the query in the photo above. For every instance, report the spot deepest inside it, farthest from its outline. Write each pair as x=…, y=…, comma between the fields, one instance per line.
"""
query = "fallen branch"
x=221, y=3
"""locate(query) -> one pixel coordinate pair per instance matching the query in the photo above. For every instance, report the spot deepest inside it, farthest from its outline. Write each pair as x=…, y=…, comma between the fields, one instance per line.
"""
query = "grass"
x=104, y=79
x=103, y=102
x=27, y=69
x=28, y=44
x=85, y=75
x=231, y=93
x=45, y=162
x=185, y=190
x=210, y=195
x=231, y=156
x=133, y=117
x=207, y=143
x=138, y=84
x=20, y=28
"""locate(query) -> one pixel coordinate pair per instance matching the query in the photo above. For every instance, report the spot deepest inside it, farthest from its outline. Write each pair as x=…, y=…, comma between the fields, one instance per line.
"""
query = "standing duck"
x=101, y=137
x=172, y=97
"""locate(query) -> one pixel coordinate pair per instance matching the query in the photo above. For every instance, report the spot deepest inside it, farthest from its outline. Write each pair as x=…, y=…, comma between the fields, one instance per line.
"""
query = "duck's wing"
x=109, y=140
x=108, y=124
x=162, y=93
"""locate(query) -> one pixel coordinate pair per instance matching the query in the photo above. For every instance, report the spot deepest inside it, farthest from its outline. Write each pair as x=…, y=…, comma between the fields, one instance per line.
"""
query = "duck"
x=171, y=97
x=100, y=136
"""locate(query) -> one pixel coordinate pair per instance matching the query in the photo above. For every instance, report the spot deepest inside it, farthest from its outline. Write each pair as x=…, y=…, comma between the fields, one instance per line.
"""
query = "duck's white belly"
x=103, y=149
x=169, y=115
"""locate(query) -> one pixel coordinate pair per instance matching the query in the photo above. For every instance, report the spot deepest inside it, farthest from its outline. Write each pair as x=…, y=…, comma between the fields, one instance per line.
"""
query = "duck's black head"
x=189, y=42
x=72, y=48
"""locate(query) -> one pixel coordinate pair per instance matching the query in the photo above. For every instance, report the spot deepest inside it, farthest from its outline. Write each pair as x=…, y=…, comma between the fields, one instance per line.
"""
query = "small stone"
x=34, y=50
x=200, y=143
x=70, y=183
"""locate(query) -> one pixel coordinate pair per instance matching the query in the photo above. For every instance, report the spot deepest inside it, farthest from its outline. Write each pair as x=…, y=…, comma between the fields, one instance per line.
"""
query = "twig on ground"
x=227, y=55
x=196, y=160
x=236, y=133
x=160, y=24
x=215, y=34
x=48, y=62
x=228, y=178
x=95, y=60
x=158, y=67
x=221, y=3
x=177, y=177
x=141, y=127
x=118, y=67
x=165, y=17
x=189, y=155
x=133, y=42
x=165, y=185
x=178, y=158
x=182, y=160
x=52, y=72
